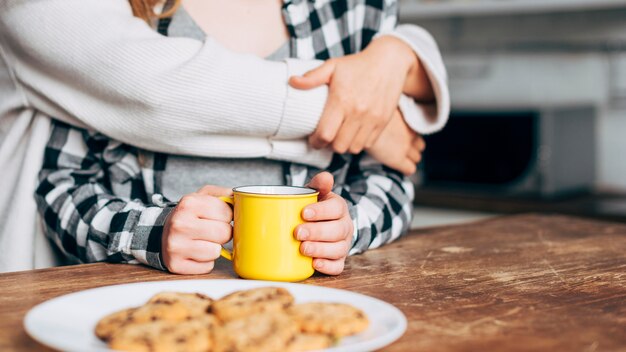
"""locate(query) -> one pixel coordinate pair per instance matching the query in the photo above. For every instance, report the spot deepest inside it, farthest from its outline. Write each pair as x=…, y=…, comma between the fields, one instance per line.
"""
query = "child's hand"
x=327, y=236
x=398, y=146
x=195, y=230
x=364, y=90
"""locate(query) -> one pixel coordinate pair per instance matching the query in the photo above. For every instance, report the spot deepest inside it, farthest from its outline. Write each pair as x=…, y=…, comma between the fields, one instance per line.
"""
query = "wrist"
x=416, y=82
x=152, y=223
x=400, y=52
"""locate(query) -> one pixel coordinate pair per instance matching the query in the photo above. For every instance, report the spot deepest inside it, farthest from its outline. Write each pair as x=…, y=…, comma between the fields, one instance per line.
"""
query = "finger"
x=346, y=135
x=329, y=267
x=323, y=183
x=215, y=191
x=414, y=155
x=373, y=137
x=314, y=78
x=407, y=167
x=419, y=143
x=189, y=228
x=218, y=232
x=360, y=139
x=332, y=208
x=329, y=124
x=190, y=267
x=205, y=207
x=203, y=251
x=325, y=250
x=199, y=251
x=324, y=231
x=182, y=243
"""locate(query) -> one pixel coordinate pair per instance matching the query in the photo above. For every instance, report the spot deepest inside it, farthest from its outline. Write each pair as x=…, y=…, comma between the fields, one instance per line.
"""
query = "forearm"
x=95, y=65
x=90, y=225
x=82, y=214
x=413, y=44
x=417, y=83
x=425, y=104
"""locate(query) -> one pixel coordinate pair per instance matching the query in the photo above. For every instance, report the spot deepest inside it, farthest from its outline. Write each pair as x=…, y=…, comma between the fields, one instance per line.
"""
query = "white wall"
x=544, y=59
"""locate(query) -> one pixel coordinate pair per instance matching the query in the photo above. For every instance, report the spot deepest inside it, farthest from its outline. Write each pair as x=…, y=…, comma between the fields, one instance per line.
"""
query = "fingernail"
x=302, y=234
x=318, y=265
x=307, y=250
x=308, y=213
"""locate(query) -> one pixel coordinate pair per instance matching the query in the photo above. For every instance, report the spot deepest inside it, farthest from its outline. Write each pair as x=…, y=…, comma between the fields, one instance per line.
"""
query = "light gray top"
x=185, y=174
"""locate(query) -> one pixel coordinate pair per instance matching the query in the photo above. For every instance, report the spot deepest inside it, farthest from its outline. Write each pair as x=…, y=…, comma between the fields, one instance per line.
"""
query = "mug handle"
x=225, y=252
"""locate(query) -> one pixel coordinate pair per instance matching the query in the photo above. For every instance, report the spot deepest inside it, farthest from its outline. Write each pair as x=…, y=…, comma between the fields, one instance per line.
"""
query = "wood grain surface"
x=519, y=283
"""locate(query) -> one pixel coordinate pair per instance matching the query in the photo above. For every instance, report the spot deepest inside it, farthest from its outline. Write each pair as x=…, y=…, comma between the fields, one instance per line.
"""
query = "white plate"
x=67, y=322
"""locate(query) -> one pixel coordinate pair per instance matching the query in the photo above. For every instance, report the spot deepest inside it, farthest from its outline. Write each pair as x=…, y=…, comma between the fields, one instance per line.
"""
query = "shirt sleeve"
x=379, y=200
x=92, y=64
x=81, y=214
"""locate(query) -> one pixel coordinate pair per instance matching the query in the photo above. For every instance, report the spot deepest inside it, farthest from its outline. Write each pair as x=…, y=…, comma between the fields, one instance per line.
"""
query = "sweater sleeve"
x=93, y=61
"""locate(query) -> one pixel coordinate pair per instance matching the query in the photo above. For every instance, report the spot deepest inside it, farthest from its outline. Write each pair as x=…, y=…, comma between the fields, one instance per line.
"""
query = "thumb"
x=215, y=191
x=323, y=183
x=314, y=78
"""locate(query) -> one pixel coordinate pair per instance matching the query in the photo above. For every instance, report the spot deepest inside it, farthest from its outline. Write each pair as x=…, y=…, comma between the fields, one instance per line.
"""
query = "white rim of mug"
x=303, y=191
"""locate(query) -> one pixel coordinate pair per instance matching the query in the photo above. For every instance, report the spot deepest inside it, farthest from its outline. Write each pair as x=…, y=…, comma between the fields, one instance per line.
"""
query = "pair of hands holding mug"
x=200, y=224
x=356, y=117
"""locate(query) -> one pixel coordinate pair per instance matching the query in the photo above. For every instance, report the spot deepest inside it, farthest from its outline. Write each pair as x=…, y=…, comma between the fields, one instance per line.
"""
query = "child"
x=103, y=200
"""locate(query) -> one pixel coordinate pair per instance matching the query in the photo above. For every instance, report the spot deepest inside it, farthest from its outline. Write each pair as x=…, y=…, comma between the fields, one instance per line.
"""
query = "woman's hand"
x=398, y=146
x=327, y=234
x=364, y=90
x=195, y=231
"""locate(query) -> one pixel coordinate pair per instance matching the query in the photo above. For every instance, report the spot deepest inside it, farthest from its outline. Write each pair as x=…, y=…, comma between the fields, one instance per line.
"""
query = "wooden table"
x=517, y=283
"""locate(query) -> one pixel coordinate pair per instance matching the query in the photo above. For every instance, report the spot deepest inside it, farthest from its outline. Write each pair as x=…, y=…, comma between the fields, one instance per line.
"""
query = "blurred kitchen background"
x=539, y=109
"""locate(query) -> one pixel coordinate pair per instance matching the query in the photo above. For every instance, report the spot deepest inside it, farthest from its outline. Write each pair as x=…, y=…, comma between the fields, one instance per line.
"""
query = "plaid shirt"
x=101, y=199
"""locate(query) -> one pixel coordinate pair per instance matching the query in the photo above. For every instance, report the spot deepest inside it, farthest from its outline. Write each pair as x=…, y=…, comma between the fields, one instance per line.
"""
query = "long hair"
x=144, y=9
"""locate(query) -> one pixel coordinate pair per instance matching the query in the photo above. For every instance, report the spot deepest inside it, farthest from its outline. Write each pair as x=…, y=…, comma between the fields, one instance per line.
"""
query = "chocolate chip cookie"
x=245, y=303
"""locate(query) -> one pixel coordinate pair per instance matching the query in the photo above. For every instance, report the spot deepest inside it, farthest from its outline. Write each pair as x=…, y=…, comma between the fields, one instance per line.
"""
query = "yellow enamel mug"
x=264, y=246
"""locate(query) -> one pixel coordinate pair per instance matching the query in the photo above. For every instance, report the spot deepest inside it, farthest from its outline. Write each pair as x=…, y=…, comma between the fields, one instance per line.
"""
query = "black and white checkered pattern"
x=101, y=201
x=323, y=29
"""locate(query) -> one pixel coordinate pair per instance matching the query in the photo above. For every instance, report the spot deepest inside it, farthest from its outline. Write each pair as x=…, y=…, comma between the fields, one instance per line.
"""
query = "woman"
x=163, y=94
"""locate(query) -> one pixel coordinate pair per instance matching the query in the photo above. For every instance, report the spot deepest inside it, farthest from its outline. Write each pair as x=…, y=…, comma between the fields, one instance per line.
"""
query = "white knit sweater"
x=173, y=95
